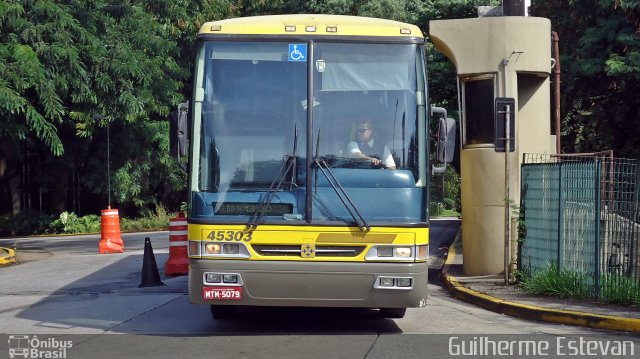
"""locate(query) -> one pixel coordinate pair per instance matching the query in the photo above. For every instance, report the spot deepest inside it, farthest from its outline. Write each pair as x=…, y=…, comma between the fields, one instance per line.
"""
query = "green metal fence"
x=581, y=214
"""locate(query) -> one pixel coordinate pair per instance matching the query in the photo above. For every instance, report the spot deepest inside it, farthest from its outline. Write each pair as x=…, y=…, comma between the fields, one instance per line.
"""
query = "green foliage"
x=620, y=290
x=71, y=68
x=600, y=60
x=39, y=44
x=143, y=176
x=447, y=191
x=23, y=225
x=158, y=221
x=551, y=281
x=452, y=183
x=436, y=209
x=449, y=203
x=70, y=223
x=518, y=213
x=558, y=283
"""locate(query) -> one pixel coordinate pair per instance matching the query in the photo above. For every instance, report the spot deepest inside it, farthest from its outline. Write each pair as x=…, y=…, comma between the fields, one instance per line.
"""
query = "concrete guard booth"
x=496, y=57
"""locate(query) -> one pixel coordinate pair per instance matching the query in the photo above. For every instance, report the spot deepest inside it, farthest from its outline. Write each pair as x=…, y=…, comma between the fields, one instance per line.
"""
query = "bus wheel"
x=223, y=311
x=393, y=313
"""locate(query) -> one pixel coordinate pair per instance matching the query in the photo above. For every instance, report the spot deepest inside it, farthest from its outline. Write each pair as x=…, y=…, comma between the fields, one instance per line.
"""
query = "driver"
x=367, y=148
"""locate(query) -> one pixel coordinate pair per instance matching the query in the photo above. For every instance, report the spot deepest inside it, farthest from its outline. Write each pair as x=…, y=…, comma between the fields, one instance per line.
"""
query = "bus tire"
x=393, y=313
x=223, y=311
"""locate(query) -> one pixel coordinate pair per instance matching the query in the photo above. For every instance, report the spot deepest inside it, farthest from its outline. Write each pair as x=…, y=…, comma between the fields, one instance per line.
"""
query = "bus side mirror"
x=178, y=131
x=445, y=144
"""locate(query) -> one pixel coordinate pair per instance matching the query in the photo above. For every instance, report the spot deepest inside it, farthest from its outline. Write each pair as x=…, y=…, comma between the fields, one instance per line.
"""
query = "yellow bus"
x=308, y=164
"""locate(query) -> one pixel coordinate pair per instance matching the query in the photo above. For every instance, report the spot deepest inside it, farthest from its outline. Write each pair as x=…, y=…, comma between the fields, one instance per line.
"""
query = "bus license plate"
x=222, y=293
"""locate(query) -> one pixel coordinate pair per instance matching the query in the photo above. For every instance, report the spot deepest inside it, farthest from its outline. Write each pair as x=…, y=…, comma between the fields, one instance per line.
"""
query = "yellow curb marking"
x=546, y=314
x=9, y=258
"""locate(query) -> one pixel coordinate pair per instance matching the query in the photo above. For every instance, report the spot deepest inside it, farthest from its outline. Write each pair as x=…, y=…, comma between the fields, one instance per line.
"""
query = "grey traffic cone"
x=150, y=274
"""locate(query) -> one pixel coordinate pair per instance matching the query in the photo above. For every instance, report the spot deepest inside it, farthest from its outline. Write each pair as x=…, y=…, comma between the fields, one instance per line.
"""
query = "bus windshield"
x=251, y=109
x=254, y=114
x=365, y=103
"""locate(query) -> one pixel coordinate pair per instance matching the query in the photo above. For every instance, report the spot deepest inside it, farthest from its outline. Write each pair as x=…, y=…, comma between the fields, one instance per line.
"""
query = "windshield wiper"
x=288, y=163
x=340, y=191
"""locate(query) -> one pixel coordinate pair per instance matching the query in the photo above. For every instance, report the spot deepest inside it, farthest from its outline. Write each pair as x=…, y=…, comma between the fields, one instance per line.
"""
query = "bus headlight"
x=398, y=253
x=222, y=279
x=393, y=252
x=403, y=282
x=386, y=282
x=212, y=277
x=212, y=248
x=225, y=250
x=385, y=251
x=403, y=252
x=392, y=282
x=231, y=249
x=230, y=278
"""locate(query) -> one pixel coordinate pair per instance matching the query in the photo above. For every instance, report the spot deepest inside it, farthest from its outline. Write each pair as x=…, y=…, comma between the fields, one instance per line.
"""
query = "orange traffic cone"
x=178, y=262
x=111, y=240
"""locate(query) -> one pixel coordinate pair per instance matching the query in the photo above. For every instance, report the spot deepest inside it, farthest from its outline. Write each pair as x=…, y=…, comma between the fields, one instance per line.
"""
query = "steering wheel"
x=365, y=163
x=346, y=162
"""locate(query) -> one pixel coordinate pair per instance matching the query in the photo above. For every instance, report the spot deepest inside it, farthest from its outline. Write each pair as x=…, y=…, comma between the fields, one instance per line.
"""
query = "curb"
x=598, y=321
x=7, y=256
x=79, y=234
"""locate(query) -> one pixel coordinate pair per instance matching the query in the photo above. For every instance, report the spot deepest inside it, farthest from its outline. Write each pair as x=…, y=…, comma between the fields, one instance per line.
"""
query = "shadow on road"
x=108, y=299
x=301, y=321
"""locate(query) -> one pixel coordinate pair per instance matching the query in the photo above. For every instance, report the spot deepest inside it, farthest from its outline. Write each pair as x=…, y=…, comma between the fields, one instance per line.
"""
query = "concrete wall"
x=479, y=47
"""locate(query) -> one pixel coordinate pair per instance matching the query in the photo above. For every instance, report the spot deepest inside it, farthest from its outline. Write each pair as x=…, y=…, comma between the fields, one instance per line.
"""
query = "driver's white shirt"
x=387, y=159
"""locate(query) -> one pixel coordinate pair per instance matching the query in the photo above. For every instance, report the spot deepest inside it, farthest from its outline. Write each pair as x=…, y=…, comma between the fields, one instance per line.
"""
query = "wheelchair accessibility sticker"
x=298, y=52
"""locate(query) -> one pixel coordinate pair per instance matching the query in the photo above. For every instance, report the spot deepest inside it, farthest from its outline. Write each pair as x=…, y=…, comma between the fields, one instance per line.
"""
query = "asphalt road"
x=64, y=290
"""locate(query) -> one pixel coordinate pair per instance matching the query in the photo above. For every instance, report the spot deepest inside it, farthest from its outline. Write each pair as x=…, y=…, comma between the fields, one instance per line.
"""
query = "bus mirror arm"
x=445, y=144
x=439, y=110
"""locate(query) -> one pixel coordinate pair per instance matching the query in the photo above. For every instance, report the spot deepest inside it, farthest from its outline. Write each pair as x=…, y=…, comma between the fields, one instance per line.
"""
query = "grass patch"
x=438, y=209
x=449, y=213
x=620, y=290
x=558, y=283
x=567, y=284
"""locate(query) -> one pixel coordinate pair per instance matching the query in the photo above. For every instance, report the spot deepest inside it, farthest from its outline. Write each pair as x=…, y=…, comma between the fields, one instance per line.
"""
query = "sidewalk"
x=489, y=292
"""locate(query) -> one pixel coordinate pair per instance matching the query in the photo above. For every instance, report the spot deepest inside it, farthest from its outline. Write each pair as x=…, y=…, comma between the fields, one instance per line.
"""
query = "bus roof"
x=311, y=24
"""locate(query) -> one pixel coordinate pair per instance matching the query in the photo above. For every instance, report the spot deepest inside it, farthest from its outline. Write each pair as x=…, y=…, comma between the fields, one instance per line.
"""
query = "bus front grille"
x=320, y=251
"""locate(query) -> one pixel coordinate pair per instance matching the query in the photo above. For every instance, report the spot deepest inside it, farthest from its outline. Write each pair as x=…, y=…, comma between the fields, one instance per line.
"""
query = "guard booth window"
x=477, y=102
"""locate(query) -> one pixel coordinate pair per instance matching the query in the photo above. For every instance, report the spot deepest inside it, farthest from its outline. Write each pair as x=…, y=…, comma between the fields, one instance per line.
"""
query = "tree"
x=72, y=67
x=600, y=57
x=40, y=58
x=42, y=62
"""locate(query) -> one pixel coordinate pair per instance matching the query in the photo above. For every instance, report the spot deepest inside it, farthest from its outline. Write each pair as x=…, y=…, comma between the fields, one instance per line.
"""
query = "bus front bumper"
x=310, y=284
